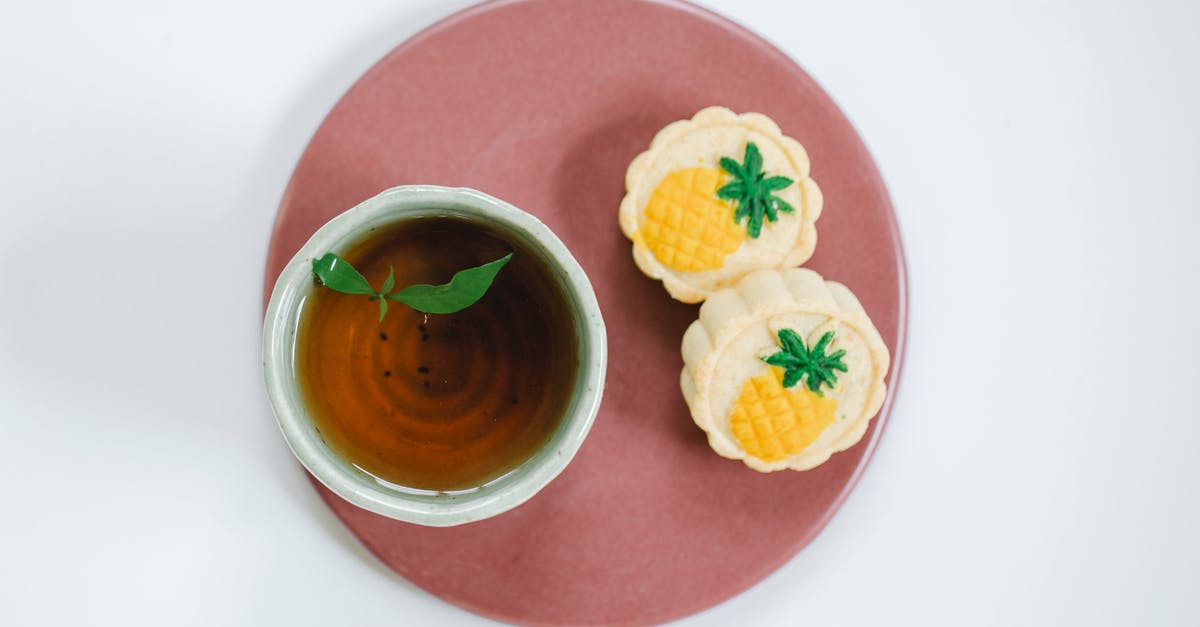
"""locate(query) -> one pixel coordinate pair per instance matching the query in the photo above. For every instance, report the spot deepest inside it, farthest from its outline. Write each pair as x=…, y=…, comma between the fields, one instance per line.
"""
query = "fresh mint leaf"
x=389, y=282
x=338, y=275
x=464, y=289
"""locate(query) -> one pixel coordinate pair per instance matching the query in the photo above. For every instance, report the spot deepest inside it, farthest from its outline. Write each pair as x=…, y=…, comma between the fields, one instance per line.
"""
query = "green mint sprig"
x=464, y=289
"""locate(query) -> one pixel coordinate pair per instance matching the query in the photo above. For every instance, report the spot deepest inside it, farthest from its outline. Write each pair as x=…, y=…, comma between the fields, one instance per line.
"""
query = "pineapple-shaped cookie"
x=717, y=197
x=783, y=370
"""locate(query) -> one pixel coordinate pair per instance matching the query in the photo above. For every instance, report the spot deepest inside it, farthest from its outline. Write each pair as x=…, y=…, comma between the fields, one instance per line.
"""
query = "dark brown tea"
x=439, y=402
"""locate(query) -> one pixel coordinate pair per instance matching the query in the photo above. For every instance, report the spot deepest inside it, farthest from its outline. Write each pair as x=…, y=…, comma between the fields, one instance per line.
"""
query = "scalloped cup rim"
x=427, y=508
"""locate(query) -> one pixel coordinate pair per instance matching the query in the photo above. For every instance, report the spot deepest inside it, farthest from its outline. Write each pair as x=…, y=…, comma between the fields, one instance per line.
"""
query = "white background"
x=1041, y=466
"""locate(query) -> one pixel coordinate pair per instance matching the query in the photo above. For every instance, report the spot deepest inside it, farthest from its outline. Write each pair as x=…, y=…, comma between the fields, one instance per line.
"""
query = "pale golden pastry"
x=783, y=370
x=717, y=197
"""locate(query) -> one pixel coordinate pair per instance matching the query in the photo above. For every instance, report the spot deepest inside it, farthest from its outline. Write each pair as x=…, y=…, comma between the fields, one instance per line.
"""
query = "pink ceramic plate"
x=543, y=104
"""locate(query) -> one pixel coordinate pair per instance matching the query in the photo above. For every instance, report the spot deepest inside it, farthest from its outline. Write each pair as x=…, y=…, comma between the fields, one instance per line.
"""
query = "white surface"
x=1040, y=467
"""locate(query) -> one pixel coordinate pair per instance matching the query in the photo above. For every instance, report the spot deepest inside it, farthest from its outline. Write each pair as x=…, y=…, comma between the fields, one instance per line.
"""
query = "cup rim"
x=433, y=509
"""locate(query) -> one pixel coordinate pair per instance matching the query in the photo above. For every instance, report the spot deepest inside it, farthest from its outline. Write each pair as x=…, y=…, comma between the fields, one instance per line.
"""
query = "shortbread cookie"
x=717, y=197
x=783, y=370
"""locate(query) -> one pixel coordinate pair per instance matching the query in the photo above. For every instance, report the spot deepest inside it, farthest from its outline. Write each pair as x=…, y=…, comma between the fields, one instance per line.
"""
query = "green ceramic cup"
x=434, y=509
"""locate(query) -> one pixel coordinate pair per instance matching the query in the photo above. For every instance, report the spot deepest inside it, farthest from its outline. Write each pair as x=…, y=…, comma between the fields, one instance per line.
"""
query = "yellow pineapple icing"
x=738, y=400
x=677, y=228
x=772, y=422
x=683, y=234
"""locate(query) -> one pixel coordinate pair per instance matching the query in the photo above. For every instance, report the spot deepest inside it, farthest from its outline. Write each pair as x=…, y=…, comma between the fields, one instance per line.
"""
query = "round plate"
x=543, y=104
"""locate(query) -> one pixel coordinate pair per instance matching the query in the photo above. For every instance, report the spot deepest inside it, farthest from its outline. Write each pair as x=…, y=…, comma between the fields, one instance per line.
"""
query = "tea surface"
x=438, y=402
